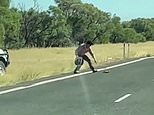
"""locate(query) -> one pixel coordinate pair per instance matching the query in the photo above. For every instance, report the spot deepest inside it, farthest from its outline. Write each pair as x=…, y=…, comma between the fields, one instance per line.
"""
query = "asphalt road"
x=126, y=90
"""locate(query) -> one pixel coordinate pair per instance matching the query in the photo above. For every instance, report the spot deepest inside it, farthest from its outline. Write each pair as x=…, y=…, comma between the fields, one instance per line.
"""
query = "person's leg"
x=76, y=70
x=86, y=58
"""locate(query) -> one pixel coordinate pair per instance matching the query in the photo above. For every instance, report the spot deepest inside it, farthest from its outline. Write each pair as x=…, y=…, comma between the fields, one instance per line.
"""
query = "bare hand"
x=95, y=61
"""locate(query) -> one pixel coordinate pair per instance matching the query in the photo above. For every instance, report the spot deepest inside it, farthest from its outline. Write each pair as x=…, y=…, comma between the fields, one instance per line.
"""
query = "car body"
x=4, y=61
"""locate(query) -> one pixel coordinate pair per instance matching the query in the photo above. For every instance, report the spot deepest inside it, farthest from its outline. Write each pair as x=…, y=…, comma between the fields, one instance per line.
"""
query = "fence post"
x=124, y=50
x=128, y=50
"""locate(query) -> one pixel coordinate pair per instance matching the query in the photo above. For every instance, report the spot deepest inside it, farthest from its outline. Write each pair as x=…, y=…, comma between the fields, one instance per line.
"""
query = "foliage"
x=2, y=31
x=68, y=23
x=142, y=26
x=4, y=3
x=10, y=25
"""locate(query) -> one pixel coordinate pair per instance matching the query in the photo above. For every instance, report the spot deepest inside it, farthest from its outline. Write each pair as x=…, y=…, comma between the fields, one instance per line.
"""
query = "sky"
x=125, y=9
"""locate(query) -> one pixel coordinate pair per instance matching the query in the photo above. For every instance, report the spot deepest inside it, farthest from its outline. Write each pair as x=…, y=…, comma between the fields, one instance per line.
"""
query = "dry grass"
x=29, y=64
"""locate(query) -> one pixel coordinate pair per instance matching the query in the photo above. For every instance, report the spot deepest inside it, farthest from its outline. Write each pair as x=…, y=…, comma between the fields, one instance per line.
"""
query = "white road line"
x=122, y=98
x=41, y=83
x=126, y=63
x=67, y=77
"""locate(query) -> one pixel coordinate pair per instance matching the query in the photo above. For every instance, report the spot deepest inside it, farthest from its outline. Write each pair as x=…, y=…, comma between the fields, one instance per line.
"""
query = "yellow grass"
x=29, y=64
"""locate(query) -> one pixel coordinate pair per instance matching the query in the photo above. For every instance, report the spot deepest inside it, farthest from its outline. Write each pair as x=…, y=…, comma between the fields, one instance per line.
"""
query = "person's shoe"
x=94, y=71
x=76, y=72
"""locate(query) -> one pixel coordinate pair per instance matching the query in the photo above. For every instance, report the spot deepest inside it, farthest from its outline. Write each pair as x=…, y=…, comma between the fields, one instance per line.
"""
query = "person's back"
x=82, y=50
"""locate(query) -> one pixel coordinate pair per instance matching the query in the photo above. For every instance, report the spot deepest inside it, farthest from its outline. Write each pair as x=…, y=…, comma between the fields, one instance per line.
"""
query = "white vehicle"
x=4, y=61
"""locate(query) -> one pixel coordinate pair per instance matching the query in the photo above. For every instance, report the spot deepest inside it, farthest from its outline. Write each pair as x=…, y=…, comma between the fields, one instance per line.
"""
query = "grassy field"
x=30, y=64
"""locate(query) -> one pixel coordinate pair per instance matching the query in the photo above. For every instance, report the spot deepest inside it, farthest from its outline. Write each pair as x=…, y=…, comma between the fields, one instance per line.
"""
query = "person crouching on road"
x=80, y=53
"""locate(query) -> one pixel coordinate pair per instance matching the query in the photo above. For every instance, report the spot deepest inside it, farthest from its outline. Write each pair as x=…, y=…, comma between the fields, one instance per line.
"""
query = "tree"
x=130, y=36
x=33, y=24
x=139, y=38
x=68, y=23
x=59, y=29
x=86, y=21
x=12, y=27
x=117, y=33
x=2, y=32
x=4, y=3
x=145, y=27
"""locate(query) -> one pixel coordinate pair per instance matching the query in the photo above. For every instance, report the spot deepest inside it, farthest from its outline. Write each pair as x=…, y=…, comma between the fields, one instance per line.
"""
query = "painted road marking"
x=122, y=98
x=68, y=77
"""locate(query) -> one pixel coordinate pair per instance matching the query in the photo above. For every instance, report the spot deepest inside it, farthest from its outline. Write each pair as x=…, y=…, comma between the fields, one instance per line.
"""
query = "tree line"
x=68, y=23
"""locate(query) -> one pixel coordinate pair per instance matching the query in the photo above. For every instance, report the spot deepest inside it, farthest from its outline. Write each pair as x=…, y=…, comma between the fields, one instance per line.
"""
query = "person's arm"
x=92, y=55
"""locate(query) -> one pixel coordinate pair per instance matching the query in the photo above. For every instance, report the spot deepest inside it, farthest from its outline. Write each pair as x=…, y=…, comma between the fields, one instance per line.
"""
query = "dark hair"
x=89, y=42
